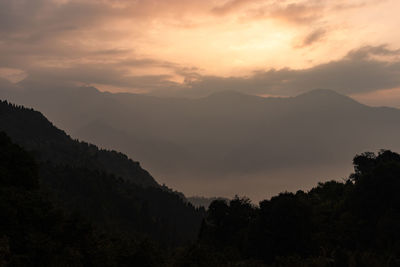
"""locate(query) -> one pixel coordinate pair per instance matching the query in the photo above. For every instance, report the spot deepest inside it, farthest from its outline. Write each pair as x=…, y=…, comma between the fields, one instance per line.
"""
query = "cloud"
x=295, y=13
x=347, y=5
x=357, y=72
x=298, y=13
x=367, y=52
x=117, y=43
x=360, y=71
x=54, y=35
x=311, y=38
x=109, y=75
x=230, y=6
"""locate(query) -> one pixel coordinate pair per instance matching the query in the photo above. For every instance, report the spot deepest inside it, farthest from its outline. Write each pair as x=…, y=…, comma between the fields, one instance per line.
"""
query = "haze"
x=176, y=60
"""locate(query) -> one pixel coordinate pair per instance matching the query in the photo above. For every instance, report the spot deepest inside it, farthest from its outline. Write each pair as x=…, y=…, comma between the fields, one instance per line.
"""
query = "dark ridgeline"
x=227, y=137
x=33, y=131
x=65, y=210
x=109, y=189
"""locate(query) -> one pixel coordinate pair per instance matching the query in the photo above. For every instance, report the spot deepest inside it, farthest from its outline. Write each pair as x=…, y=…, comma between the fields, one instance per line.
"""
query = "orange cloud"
x=175, y=41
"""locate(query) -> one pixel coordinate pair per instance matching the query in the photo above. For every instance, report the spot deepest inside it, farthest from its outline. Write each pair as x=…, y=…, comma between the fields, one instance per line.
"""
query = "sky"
x=192, y=48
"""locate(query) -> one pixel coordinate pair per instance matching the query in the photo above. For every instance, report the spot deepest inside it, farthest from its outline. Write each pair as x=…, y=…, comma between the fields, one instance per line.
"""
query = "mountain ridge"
x=187, y=143
x=105, y=187
x=49, y=135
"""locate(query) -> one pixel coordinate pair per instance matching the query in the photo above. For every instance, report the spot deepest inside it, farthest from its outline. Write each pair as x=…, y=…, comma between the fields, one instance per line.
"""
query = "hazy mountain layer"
x=32, y=130
x=228, y=142
x=106, y=187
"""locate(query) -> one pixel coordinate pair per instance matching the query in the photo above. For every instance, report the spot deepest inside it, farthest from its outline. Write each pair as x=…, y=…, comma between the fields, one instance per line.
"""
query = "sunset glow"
x=163, y=47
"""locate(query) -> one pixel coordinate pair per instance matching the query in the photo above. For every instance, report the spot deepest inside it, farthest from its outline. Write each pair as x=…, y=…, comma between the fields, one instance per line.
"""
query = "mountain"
x=33, y=131
x=227, y=142
x=34, y=232
x=105, y=187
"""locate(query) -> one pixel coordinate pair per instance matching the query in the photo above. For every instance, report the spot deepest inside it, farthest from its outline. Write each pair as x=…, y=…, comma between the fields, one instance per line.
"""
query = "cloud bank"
x=193, y=48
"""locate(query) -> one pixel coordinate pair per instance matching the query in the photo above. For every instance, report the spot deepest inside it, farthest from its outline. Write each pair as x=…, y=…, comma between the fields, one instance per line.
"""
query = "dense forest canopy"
x=350, y=223
x=34, y=232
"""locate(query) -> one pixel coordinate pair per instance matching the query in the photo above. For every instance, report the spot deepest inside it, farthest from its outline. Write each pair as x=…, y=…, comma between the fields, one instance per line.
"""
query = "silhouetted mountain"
x=202, y=145
x=106, y=187
x=34, y=232
x=324, y=94
x=33, y=131
x=328, y=99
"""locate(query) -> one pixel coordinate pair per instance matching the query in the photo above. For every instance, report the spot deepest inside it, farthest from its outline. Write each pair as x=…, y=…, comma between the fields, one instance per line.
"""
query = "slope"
x=106, y=187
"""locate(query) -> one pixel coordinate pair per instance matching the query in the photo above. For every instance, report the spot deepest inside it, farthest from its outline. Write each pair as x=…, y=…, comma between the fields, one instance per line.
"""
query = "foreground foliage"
x=351, y=223
x=33, y=232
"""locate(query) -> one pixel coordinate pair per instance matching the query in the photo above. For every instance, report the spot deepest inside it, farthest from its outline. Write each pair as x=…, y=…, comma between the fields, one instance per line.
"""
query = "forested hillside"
x=110, y=190
x=35, y=233
x=33, y=131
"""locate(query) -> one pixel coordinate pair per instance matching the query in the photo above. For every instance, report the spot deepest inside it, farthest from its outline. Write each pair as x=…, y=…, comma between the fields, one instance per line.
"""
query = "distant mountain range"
x=228, y=142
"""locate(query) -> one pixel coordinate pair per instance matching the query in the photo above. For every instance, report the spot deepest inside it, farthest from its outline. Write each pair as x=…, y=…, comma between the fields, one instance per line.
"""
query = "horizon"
x=180, y=48
x=366, y=99
x=199, y=145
